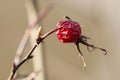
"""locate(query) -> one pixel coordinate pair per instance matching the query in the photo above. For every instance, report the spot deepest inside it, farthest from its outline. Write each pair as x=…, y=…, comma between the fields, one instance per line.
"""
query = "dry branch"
x=17, y=60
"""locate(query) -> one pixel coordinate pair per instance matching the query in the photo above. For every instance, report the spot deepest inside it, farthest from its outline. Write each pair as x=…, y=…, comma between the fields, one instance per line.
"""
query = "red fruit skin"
x=70, y=31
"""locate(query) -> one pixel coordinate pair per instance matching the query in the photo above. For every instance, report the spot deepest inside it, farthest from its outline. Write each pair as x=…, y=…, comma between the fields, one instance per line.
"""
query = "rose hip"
x=70, y=31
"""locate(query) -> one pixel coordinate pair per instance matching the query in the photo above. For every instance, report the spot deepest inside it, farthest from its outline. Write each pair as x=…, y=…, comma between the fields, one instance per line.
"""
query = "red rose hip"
x=70, y=31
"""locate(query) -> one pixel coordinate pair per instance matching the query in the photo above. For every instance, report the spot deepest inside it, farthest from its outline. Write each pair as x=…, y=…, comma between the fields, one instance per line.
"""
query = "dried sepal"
x=81, y=55
x=83, y=39
x=84, y=42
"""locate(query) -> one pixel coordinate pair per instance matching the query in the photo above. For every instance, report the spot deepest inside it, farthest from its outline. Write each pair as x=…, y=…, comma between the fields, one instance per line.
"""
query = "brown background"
x=99, y=20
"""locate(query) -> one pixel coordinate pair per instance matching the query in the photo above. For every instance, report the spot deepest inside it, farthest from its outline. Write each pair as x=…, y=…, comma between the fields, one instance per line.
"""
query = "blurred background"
x=99, y=20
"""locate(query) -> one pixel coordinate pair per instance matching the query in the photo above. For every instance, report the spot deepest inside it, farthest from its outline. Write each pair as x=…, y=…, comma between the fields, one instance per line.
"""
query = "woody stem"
x=46, y=35
x=29, y=55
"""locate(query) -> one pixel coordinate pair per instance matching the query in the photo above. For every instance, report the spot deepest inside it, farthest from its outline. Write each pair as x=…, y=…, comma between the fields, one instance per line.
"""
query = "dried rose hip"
x=70, y=31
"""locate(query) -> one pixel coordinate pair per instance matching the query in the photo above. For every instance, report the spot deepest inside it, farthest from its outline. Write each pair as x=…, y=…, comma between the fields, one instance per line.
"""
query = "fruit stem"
x=46, y=35
x=50, y=32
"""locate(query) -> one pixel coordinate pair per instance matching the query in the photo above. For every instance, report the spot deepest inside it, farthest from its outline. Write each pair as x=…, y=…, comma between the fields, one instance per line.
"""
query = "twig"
x=27, y=33
x=29, y=55
x=25, y=38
